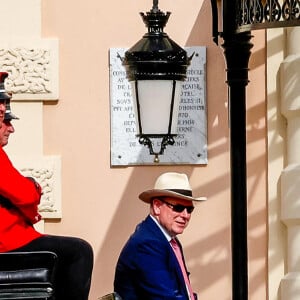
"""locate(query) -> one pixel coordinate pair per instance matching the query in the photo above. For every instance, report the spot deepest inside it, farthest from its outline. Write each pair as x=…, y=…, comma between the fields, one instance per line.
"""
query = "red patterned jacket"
x=19, y=201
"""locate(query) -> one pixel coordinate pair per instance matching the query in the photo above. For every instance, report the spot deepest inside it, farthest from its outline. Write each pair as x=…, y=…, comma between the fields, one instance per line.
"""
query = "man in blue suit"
x=148, y=268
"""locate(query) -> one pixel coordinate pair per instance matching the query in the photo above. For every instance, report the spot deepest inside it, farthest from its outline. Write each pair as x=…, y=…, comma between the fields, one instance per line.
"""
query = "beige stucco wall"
x=99, y=203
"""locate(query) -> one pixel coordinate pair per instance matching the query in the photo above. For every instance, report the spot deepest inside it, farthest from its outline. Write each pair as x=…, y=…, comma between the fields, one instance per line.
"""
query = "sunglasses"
x=178, y=207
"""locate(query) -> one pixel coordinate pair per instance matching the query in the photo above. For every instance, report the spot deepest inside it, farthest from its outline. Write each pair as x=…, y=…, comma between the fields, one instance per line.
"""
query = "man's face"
x=6, y=129
x=174, y=222
x=2, y=111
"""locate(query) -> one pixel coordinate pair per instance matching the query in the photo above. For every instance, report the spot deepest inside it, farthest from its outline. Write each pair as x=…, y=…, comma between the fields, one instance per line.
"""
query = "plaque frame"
x=191, y=142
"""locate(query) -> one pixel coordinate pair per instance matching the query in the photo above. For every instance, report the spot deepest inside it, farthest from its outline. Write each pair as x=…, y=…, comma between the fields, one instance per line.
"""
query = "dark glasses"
x=178, y=207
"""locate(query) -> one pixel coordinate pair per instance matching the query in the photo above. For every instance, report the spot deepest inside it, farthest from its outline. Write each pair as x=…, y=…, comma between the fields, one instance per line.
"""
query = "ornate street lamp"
x=156, y=66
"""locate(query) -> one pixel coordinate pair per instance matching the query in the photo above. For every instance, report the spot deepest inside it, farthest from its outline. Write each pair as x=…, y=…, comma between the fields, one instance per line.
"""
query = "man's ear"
x=156, y=204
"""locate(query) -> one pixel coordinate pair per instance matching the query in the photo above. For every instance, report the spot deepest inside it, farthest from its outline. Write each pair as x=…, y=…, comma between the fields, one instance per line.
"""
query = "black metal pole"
x=237, y=53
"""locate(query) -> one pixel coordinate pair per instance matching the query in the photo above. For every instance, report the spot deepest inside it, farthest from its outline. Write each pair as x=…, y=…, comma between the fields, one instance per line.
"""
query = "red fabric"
x=16, y=224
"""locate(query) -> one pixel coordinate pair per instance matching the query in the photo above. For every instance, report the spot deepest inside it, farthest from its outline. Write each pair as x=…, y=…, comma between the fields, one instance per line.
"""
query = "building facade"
x=56, y=53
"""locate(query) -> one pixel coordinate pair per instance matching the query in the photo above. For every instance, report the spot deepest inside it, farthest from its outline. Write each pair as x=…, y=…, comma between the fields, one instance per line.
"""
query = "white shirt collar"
x=166, y=234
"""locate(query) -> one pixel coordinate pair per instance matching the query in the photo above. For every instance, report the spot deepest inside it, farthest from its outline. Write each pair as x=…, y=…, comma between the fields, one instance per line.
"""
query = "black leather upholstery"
x=27, y=275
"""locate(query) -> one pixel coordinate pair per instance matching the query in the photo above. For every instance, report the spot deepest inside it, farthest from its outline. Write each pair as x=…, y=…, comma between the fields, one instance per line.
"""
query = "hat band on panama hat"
x=182, y=192
x=170, y=184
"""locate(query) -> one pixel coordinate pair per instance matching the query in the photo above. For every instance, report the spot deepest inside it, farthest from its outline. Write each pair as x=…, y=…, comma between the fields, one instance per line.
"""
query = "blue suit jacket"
x=147, y=268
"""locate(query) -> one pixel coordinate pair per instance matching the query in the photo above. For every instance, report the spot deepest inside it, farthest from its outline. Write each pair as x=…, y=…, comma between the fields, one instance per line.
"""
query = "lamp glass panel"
x=155, y=97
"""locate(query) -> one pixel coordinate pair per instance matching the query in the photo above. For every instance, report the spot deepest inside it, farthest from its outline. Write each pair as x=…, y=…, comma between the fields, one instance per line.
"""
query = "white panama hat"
x=171, y=184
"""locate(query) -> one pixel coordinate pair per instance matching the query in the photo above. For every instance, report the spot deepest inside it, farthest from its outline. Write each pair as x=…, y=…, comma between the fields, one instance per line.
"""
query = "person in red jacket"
x=19, y=200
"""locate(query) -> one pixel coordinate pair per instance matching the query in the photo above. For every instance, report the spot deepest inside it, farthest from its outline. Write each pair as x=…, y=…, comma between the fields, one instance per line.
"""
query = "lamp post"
x=237, y=54
x=238, y=18
x=156, y=66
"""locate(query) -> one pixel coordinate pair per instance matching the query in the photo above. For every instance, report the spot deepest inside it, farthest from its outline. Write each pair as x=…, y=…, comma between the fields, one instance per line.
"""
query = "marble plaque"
x=191, y=142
